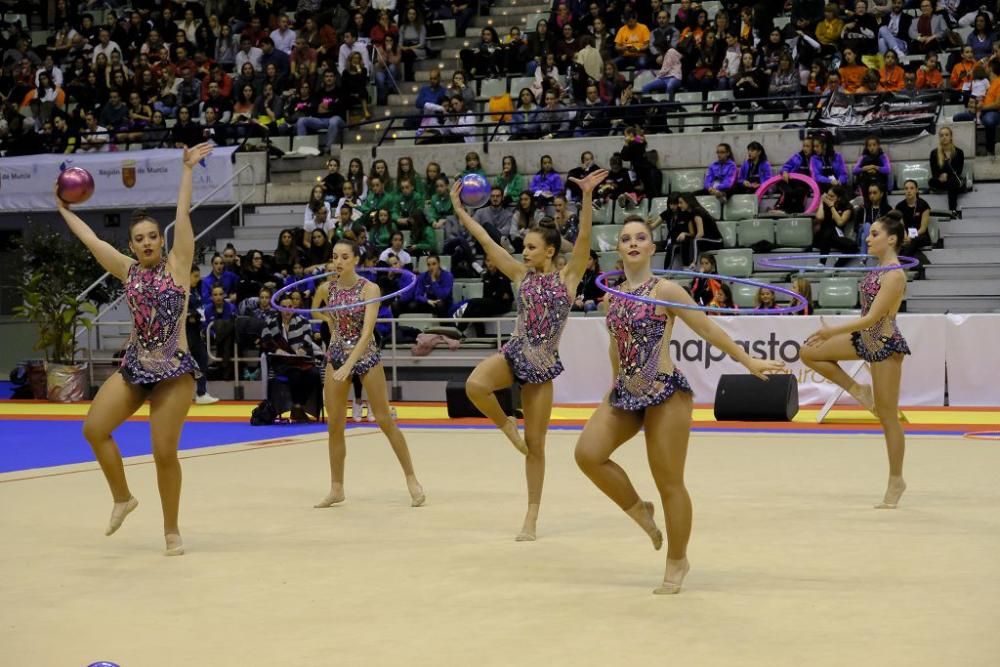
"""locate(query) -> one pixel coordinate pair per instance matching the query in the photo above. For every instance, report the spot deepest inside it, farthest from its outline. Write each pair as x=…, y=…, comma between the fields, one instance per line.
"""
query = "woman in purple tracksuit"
x=720, y=179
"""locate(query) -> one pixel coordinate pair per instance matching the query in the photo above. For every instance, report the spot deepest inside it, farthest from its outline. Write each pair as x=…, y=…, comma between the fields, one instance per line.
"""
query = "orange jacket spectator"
x=961, y=74
x=890, y=78
x=929, y=78
x=992, y=100
x=851, y=76
x=636, y=37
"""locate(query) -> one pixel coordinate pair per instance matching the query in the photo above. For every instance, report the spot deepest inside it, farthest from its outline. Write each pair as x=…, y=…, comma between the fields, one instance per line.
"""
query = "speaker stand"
x=825, y=410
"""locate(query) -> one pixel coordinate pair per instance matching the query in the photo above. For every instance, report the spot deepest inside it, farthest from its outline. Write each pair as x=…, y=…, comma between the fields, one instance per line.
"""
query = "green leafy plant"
x=55, y=270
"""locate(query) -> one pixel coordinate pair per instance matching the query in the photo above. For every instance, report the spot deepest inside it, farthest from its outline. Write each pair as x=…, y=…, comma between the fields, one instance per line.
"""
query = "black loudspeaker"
x=747, y=398
x=460, y=406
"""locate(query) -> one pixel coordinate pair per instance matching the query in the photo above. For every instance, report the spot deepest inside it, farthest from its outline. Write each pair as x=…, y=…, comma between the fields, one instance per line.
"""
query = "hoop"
x=813, y=203
x=276, y=297
x=801, y=302
x=778, y=262
x=982, y=435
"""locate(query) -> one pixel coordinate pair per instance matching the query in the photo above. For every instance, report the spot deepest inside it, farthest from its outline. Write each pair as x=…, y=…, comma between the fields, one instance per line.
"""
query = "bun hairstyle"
x=141, y=215
x=892, y=222
x=546, y=228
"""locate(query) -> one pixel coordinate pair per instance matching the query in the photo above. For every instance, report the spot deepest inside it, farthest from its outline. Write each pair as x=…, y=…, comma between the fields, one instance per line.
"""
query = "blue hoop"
x=778, y=262
x=801, y=302
x=276, y=297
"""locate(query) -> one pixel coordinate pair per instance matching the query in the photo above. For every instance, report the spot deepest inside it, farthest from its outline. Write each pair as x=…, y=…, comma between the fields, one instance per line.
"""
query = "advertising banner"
x=584, y=352
x=121, y=179
x=973, y=359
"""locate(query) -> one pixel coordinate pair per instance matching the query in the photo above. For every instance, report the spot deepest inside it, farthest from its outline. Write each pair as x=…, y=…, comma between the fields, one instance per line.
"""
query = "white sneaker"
x=371, y=415
x=478, y=268
x=205, y=399
x=356, y=411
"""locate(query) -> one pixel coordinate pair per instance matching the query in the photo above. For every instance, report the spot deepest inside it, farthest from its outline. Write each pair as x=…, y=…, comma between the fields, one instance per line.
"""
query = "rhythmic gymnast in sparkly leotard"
x=156, y=365
x=649, y=393
x=531, y=357
x=353, y=353
x=875, y=338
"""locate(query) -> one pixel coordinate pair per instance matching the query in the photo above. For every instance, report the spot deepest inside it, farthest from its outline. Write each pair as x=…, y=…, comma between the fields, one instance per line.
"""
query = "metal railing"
x=96, y=321
x=656, y=116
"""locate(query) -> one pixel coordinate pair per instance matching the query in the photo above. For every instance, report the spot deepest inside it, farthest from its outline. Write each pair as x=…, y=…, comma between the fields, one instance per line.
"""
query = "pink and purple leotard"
x=154, y=351
x=883, y=339
x=345, y=332
x=640, y=333
x=543, y=304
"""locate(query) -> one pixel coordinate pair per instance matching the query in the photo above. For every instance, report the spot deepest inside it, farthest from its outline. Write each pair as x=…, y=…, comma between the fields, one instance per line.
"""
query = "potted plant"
x=56, y=269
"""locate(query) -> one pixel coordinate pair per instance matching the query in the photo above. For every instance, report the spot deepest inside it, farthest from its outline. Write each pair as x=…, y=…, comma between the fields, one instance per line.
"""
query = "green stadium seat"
x=472, y=290
x=712, y=205
x=686, y=180
x=741, y=207
x=744, y=296
x=917, y=171
x=751, y=232
x=605, y=214
x=838, y=293
x=793, y=232
x=728, y=231
x=737, y=262
x=605, y=238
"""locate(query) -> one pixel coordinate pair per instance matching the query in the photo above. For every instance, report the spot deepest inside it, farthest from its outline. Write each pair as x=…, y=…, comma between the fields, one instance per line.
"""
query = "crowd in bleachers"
x=174, y=73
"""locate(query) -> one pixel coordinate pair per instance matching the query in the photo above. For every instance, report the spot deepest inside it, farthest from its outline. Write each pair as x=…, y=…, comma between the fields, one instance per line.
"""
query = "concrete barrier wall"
x=676, y=151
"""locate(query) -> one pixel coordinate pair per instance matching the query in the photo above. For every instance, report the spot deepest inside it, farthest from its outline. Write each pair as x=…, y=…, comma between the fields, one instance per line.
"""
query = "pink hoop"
x=813, y=204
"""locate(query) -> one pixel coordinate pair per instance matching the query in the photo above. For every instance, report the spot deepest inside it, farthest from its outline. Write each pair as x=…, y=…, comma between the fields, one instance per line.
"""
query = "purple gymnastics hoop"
x=778, y=262
x=801, y=302
x=276, y=297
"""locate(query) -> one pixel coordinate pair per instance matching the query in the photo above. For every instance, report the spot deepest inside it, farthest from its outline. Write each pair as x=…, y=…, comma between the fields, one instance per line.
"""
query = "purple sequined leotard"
x=640, y=334
x=882, y=339
x=346, y=328
x=543, y=305
x=154, y=352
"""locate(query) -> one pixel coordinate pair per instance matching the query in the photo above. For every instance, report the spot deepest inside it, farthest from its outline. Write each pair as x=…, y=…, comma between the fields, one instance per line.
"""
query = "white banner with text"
x=121, y=180
x=973, y=360
x=584, y=352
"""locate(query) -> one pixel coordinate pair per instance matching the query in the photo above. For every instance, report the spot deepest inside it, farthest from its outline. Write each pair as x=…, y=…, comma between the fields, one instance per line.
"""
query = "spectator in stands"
x=929, y=76
x=405, y=169
x=891, y=74
x=406, y=202
x=804, y=287
x=588, y=58
x=439, y=207
x=189, y=91
x=324, y=109
x=960, y=76
x=451, y=123
x=376, y=198
x=319, y=251
x=754, y=170
x=227, y=45
x=196, y=338
x=704, y=291
x=351, y=45
x=916, y=214
x=619, y=183
x=104, y=46
x=720, y=178
x=460, y=86
x=473, y=165
x=413, y=38
x=486, y=59
x=509, y=180
x=317, y=200
x=851, y=71
x=523, y=124
x=553, y=119
x=632, y=43
x=356, y=176
x=674, y=223
x=286, y=254
x=396, y=250
x=539, y=46
x=750, y=82
x=272, y=56
x=497, y=220
x=381, y=229
x=255, y=276
x=928, y=31
x=834, y=228
x=223, y=105
x=894, y=33
x=588, y=295
x=875, y=206
x=547, y=183
x=586, y=167
x=114, y=115
x=433, y=293
x=248, y=53
x=705, y=233
x=433, y=92
x=220, y=315
x=764, y=299
x=664, y=36
x=872, y=166
x=94, y=138
x=947, y=169
x=828, y=30
x=670, y=76
x=283, y=37
x=292, y=333
x=989, y=111
x=496, y=300
x=303, y=60
x=982, y=37
x=826, y=165
x=423, y=240
x=388, y=69
x=354, y=85
x=860, y=31
x=566, y=48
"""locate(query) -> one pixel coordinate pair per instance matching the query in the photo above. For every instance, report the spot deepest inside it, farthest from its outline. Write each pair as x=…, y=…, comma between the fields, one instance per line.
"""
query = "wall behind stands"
x=937, y=342
x=682, y=150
